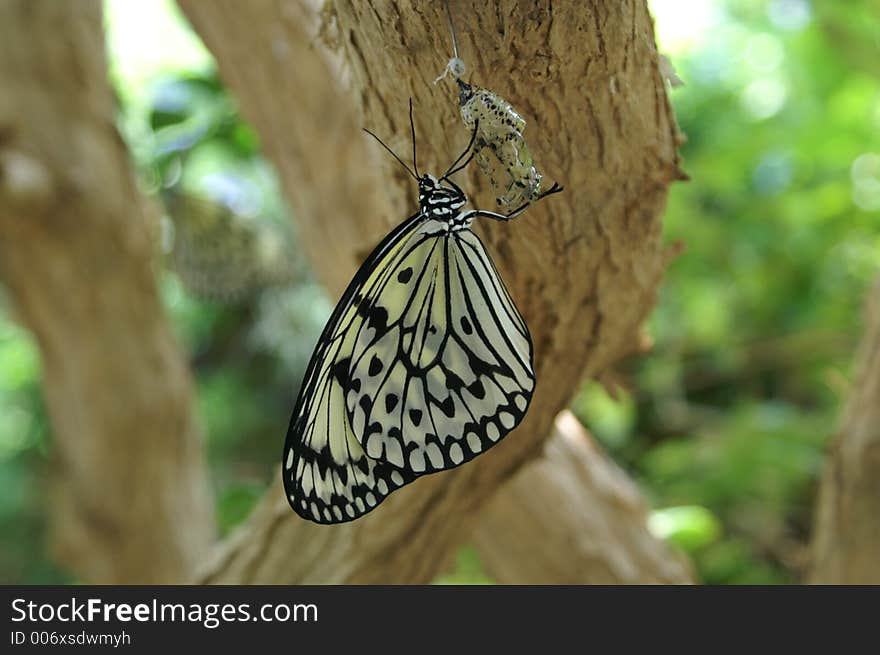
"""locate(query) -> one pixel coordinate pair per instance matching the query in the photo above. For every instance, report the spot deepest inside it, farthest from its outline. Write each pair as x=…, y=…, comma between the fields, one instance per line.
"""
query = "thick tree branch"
x=130, y=501
x=571, y=516
x=847, y=529
x=583, y=267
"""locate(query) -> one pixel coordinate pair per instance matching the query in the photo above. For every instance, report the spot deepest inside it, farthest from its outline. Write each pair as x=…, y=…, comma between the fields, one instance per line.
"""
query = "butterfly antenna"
x=462, y=167
x=393, y=154
x=412, y=127
x=452, y=168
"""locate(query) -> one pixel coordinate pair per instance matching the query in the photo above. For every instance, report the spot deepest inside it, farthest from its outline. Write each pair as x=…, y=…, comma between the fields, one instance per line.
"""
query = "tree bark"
x=569, y=516
x=572, y=517
x=130, y=500
x=583, y=267
x=847, y=529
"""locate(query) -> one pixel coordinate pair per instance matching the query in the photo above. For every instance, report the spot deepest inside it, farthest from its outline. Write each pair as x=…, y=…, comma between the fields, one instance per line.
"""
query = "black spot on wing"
x=480, y=367
x=453, y=382
x=477, y=389
x=377, y=318
x=375, y=366
x=366, y=404
x=340, y=372
x=415, y=415
x=390, y=402
x=448, y=407
x=404, y=276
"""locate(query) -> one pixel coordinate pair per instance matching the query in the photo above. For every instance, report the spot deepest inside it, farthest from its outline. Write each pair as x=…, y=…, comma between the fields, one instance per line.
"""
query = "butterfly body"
x=443, y=204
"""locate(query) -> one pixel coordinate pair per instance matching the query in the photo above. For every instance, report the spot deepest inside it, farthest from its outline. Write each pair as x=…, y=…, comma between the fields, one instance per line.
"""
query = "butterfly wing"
x=327, y=477
x=446, y=370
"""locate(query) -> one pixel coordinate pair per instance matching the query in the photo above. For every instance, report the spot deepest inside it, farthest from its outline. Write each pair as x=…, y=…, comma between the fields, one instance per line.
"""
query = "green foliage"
x=689, y=527
x=758, y=319
x=467, y=569
x=23, y=443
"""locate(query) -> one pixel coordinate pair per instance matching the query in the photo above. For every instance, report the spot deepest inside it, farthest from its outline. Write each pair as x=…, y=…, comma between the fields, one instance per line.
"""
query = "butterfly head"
x=437, y=200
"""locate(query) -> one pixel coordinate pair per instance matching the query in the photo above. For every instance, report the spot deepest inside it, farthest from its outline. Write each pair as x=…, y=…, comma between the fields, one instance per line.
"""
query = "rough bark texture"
x=847, y=529
x=569, y=516
x=572, y=517
x=130, y=501
x=583, y=266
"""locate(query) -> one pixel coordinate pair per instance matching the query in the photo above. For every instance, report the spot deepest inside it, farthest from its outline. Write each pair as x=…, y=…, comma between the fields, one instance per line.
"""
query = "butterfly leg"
x=519, y=210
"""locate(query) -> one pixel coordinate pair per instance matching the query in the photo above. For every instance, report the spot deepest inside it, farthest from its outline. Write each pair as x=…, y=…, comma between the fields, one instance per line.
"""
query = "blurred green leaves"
x=689, y=527
x=467, y=569
x=19, y=378
x=23, y=437
x=758, y=319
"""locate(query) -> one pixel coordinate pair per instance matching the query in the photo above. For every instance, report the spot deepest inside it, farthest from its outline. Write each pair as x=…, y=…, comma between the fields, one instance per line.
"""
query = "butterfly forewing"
x=448, y=371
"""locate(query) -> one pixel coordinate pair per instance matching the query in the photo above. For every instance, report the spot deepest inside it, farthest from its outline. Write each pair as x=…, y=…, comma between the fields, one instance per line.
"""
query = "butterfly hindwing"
x=445, y=370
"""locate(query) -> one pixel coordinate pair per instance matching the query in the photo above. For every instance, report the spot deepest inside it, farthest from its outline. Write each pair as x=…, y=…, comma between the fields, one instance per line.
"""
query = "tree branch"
x=572, y=517
x=130, y=501
x=847, y=527
x=583, y=267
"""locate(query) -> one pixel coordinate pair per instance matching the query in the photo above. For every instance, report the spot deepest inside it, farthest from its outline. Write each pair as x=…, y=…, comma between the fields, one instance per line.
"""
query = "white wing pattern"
x=447, y=371
x=424, y=364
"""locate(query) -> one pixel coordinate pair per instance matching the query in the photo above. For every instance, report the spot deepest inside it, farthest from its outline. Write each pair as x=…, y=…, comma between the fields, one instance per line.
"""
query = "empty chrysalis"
x=222, y=255
x=500, y=149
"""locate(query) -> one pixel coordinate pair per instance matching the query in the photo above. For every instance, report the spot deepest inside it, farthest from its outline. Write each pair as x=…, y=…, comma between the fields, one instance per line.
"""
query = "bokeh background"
x=724, y=424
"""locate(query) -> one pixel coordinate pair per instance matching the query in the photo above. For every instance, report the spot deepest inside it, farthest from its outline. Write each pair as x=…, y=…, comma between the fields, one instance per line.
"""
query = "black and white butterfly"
x=424, y=364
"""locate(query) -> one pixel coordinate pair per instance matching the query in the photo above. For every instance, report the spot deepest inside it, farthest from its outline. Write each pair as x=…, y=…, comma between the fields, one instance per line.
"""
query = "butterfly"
x=424, y=364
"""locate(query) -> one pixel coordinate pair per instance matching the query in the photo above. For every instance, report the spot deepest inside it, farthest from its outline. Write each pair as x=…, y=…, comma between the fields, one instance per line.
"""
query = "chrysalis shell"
x=500, y=149
x=221, y=255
